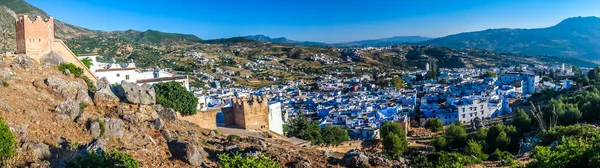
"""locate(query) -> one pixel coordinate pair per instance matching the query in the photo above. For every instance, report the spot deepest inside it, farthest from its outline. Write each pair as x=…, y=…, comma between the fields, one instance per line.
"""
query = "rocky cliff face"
x=55, y=120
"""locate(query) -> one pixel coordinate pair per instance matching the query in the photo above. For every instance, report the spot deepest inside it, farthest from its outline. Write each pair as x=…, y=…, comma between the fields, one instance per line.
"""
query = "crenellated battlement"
x=35, y=20
x=249, y=100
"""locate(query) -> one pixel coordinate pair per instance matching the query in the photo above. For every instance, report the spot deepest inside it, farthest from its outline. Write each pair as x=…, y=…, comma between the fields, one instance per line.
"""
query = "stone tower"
x=251, y=113
x=35, y=35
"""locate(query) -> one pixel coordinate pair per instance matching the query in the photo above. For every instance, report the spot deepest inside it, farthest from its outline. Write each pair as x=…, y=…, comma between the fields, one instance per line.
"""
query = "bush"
x=575, y=131
x=445, y=159
x=102, y=127
x=113, y=158
x=334, y=135
x=434, y=124
x=89, y=83
x=393, y=138
x=233, y=138
x=570, y=152
x=502, y=156
x=173, y=95
x=5, y=84
x=238, y=161
x=72, y=68
x=7, y=141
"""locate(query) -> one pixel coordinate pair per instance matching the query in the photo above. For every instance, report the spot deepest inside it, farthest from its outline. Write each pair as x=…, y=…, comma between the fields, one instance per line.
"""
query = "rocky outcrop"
x=135, y=94
x=355, y=158
x=96, y=146
x=104, y=95
x=71, y=90
x=37, y=150
x=107, y=127
x=68, y=108
x=52, y=58
x=186, y=152
x=23, y=62
x=6, y=74
x=165, y=113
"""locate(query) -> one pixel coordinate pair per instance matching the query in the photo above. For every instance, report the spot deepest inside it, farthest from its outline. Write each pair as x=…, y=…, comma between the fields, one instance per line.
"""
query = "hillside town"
x=175, y=100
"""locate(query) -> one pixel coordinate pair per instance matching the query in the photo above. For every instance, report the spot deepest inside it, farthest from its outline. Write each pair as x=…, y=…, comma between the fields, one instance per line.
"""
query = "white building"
x=275, y=117
x=116, y=73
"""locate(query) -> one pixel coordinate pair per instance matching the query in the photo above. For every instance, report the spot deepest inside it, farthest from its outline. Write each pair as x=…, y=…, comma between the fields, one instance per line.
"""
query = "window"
x=475, y=108
x=463, y=116
x=40, y=40
x=126, y=77
x=481, y=112
x=463, y=109
x=118, y=75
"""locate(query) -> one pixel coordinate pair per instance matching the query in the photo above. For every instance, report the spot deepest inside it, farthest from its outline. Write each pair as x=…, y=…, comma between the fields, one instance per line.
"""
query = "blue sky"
x=316, y=20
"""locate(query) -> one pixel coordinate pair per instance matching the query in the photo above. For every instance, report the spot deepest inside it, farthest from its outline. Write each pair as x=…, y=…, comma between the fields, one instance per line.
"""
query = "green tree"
x=173, y=95
x=502, y=141
x=72, y=68
x=475, y=149
x=7, y=142
x=489, y=74
x=456, y=136
x=522, y=121
x=87, y=61
x=434, y=124
x=393, y=138
x=334, y=135
x=398, y=82
x=439, y=142
x=303, y=128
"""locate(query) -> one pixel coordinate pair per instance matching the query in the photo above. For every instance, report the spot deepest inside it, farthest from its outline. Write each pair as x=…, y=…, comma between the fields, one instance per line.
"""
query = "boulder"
x=159, y=123
x=104, y=95
x=52, y=58
x=113, y=127
x=23, y=62
x=165, y=113
x=355, y=158
x=135, y=94
x=302, y=164
x=72, y=90
x=68, y=108
x=37, y=150
x=67, y=72
x=186, y=152
x=96, y=146
x=6, y=73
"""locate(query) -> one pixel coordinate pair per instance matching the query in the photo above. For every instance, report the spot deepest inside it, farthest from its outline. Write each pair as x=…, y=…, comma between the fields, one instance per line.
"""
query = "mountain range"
x=362, y=43
x=577, y=36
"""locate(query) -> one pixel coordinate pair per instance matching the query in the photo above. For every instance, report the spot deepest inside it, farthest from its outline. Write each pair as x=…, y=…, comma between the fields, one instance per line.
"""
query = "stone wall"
x=204, y=119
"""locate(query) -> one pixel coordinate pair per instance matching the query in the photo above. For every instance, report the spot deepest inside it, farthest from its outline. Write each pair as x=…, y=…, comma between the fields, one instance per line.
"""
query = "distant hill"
x=284, y=40
x=577, y=36
x=363, y=43
x=10, y=9
x=385, y=41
